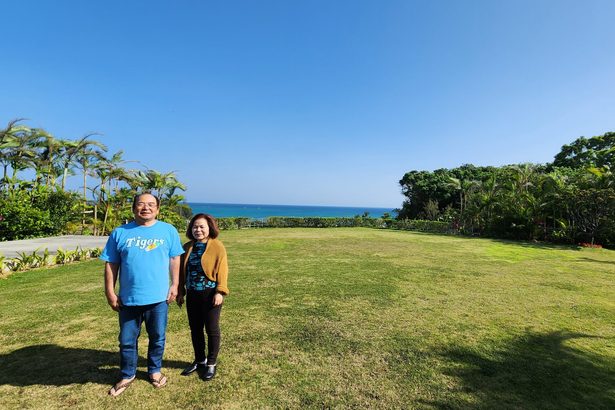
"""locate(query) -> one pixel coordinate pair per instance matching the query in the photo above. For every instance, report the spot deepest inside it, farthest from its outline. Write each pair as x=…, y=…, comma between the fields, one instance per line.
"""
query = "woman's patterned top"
x=195, y=277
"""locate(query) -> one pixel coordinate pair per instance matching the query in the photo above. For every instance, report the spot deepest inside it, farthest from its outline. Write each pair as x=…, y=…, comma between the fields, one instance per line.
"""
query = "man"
x=143, y=252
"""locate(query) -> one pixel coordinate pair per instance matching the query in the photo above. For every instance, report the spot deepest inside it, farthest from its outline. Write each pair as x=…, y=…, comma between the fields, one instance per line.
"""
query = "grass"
x=347, y=318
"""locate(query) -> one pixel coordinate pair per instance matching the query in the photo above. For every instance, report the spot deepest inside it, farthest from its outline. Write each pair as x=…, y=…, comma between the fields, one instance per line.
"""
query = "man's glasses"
x=148, y=204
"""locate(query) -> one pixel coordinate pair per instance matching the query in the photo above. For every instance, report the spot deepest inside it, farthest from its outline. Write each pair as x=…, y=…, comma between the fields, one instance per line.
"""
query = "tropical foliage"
x=42, y=205
x=571, y=200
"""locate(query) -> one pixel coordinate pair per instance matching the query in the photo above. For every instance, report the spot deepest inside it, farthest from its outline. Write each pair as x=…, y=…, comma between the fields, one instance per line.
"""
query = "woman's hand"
x=180, y=300
x=218, y=299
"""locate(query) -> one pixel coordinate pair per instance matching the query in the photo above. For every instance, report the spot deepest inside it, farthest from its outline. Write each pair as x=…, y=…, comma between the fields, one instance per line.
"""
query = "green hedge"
x=322, y=222
x=423, y=226
x=237, y=223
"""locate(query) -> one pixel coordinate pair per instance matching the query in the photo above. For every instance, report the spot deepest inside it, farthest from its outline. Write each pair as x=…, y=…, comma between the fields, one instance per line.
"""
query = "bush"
x=170, y=216
x=20, y=220
x=323, y=222
x=63, y=208
x=237, y=223
x=35, y=213
x=423, y=226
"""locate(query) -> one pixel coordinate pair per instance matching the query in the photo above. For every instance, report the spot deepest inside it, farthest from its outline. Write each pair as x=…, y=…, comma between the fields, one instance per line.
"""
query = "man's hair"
x=136, y=199
x=214, y=231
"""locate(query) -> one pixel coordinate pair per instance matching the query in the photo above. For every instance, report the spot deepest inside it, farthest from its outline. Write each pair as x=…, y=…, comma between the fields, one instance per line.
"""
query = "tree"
x=554, y=186
x=86, y=158
x=465, y=188
x=35, y=207
x=584, y=152
x=431, y=211
x=8, y=140
x=421, y=186
x=71, y=151
x=595, y=204
x=47, y=162
x=158, y=183
x=109, y=170
x=21, y=152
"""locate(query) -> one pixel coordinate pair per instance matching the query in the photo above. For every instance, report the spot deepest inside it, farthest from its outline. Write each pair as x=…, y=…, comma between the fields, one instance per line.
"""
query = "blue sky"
x=319, y=102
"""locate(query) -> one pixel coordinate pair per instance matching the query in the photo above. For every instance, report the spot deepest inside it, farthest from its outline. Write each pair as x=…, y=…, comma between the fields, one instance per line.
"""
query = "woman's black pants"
x=203, y=314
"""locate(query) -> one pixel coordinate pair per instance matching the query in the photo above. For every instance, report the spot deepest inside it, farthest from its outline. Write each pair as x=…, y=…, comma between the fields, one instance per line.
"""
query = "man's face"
x=145, y=209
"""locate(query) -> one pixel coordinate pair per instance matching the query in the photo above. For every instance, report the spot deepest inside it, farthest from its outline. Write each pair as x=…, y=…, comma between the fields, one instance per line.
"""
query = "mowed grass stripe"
x=348, y=318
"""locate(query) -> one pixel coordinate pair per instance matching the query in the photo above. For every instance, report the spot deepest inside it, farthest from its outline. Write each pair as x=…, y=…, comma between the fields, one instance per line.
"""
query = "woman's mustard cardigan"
x=214, y=265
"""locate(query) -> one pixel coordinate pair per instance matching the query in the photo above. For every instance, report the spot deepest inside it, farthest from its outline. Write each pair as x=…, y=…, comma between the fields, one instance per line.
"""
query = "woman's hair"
x=211, y=223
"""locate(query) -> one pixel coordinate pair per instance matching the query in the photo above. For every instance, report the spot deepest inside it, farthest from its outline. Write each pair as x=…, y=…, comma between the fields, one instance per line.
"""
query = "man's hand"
x=179, y=300
x=174, y=272
x=111, y=271
x=172, y=293
x=114, y=301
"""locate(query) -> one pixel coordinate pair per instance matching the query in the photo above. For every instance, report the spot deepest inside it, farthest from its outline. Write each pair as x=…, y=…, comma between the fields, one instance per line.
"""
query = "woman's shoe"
x=192, y=368
x=210, y=372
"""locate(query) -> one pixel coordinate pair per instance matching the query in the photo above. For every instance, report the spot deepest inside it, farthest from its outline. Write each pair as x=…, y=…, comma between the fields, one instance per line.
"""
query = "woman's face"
x=200, y=229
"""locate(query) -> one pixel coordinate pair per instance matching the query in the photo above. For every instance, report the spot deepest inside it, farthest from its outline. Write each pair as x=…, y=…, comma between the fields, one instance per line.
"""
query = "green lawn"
x=356, y=317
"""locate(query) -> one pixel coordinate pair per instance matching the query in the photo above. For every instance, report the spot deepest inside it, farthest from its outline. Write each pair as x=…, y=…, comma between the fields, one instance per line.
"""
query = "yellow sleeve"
x=222, y=277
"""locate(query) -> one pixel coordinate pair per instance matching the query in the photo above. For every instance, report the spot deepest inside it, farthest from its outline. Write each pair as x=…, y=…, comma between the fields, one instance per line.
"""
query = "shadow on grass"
x=536, y=371
x=536, y=245
x=595, y=260
x=54, y=365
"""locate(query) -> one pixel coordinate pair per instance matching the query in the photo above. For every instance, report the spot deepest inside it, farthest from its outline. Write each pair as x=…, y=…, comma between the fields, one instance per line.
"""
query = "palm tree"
x=109, y=170
x=117, y=173
x=484, y=199
x=47, y=163
x=555, y=187
x=603, y=177
x=71, y=151
x=8, y=141
x=171, y=185
x=523, y=177
x=158, y=183
x=525, y=198
x=464, y=187
x=86, y=157
x=23, y=150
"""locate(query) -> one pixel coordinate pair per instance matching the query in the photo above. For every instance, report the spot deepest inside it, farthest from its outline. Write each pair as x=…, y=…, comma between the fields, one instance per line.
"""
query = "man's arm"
x=174, y=271
x=111, y=271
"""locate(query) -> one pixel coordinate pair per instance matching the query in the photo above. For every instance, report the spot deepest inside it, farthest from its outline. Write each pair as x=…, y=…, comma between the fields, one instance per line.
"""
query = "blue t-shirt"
x=143, y=253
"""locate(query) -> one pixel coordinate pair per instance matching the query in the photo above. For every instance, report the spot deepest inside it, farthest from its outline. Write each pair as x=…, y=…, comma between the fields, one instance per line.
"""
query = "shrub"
x=423, y=226
x=63, y=208
x=20, y=219
x=63, y=257
x=35, y=213
x=324, y=222
x=237, y=223
x=170, y=216
x=25, y=261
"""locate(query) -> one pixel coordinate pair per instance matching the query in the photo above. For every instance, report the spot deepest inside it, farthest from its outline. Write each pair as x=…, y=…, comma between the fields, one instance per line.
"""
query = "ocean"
x=264, y=211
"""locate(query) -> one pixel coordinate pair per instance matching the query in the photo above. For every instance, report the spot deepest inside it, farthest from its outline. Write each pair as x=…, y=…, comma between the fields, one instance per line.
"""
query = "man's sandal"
x=159, y=382
x=120, y=387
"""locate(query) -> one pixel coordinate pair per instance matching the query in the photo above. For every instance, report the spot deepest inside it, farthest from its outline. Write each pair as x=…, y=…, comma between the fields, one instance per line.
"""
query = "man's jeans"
x=131, y=317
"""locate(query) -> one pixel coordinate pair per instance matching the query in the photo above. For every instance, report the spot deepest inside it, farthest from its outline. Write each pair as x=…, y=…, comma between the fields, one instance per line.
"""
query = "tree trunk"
x=84, y=201
x=105, y=218
x=95, y=219
x=64, y=178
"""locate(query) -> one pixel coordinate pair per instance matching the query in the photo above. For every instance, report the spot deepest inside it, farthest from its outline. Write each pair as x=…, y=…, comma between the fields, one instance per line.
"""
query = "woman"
x=203, y=279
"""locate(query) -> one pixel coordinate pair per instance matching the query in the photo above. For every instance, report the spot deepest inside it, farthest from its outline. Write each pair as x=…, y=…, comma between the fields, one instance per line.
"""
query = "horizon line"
x=316, y=206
